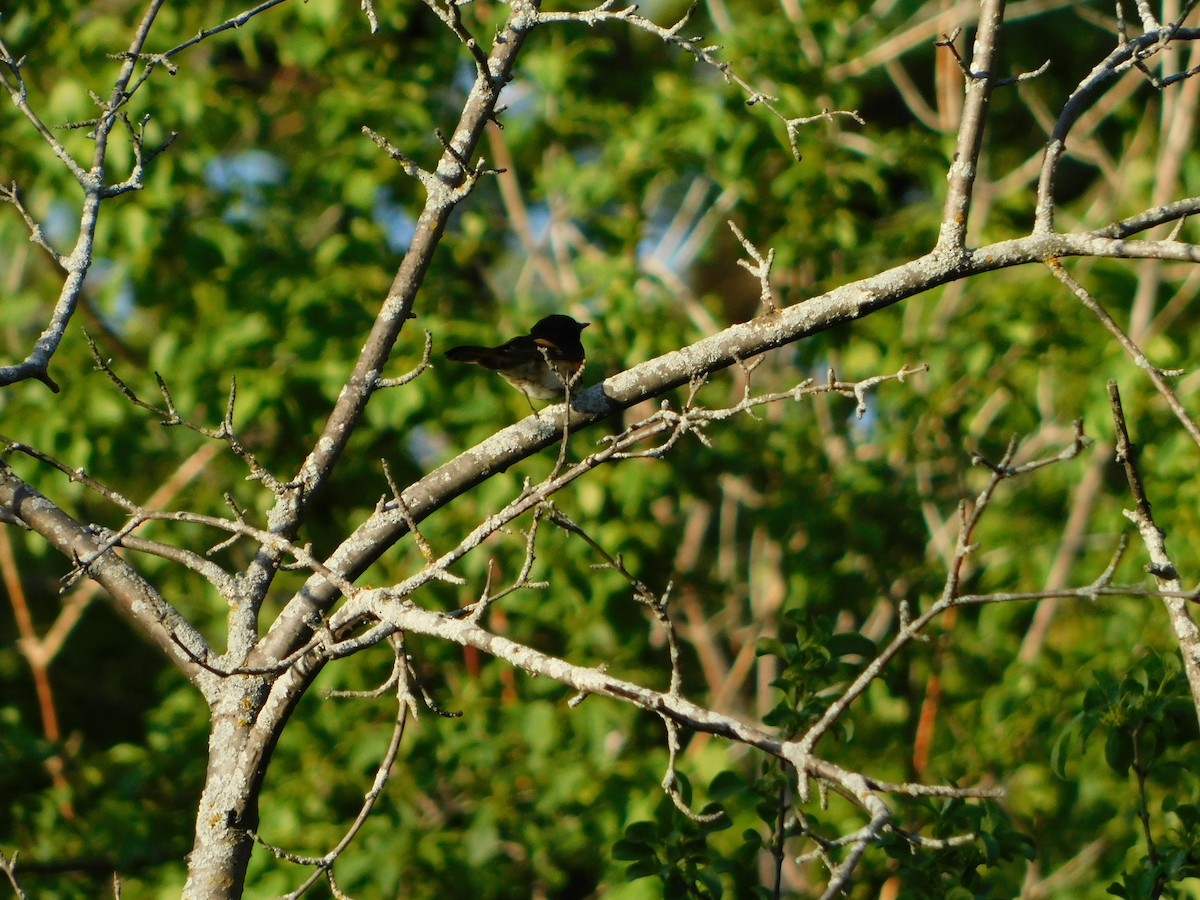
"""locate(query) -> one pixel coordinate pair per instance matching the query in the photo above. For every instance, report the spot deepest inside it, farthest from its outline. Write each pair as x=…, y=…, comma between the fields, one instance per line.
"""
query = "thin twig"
x=707, y=54
x=1156, y=375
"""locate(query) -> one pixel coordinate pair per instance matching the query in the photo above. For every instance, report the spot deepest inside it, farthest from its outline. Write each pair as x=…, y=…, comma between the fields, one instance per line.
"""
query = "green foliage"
x=1149, y=728
x=814, y=663
x=674, y=848
x=966, y=869
x=262, y=245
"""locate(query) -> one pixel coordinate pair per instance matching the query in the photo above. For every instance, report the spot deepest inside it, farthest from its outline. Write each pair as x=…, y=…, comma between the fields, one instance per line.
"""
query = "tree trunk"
x=227, y=816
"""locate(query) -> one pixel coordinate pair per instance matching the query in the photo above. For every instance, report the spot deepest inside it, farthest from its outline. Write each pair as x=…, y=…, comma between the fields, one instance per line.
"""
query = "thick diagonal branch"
x=657, y=376
x=452, y=173
x=133, y=597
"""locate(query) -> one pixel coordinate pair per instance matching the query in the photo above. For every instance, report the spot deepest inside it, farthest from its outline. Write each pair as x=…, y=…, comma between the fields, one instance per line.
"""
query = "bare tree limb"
x=1156, y=375
x=657, y=376
x=1154, y=539
x=963, y=169
x=134, y=597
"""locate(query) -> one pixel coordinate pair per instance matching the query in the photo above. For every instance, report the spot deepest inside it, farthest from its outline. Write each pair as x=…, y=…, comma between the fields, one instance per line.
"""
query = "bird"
x=540, y=364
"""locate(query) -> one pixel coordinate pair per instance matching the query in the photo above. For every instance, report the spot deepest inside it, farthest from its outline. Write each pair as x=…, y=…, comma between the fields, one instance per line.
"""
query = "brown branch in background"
x=132, y=596
x=1083, y=501
x=40, y=651
x=931, y=704
x=39, y=667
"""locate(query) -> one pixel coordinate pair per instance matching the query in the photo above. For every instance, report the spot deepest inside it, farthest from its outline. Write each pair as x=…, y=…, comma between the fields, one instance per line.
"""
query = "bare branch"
x=205, y=33
x=656, y=376
x=133, y=596
x=369, y=9
x=761, y=269
x=448, y=11
x=8, y=867
x=1129, y=53
x=411, y=169
x=1156, y=375
x=276, y=543
x=1154, y=539
x=910, y=630
x=323, y=866
x=1172, y=212
x=36, y=364
x=952, y=236
x=412, y=374
x=608, y=11
x=453, y=184
x=860, y=789
x=1005, y=469
x=227, y=432
x=670, y=782
x=14, y=83
x=10, y=194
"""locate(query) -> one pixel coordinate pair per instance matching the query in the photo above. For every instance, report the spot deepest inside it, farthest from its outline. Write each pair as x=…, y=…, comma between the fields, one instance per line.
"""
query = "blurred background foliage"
x=260, y=249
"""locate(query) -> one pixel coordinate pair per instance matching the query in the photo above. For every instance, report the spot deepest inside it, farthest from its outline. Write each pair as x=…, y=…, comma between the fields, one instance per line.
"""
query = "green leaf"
x=1060, y=752
x=1119, y=751
x=631, y=850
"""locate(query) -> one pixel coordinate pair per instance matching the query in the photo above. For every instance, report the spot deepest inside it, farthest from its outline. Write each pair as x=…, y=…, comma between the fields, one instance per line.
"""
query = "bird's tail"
x=468, y=354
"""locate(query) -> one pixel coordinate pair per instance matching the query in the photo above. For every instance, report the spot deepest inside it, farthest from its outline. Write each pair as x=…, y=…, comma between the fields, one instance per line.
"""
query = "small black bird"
x=538, y=364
